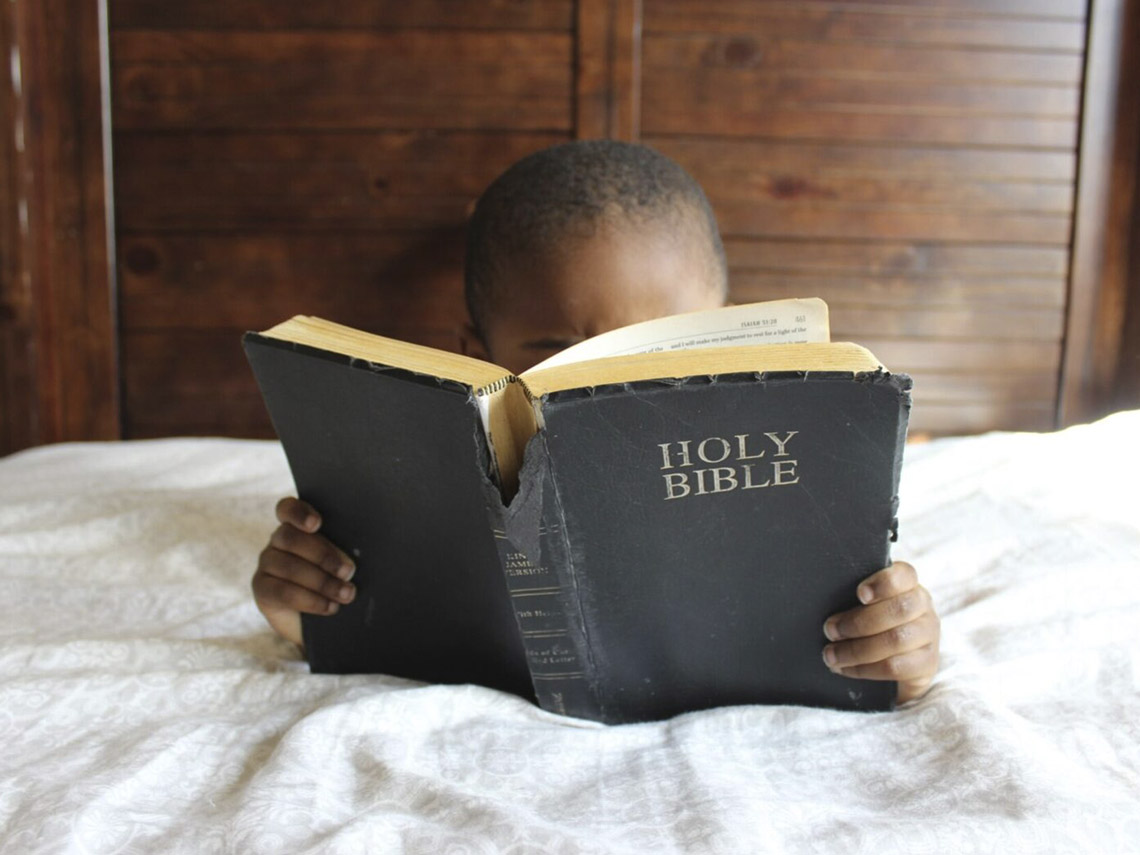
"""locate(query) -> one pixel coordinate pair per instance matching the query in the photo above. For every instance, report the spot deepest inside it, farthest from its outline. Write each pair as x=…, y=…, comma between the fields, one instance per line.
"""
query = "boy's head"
x=582, y=238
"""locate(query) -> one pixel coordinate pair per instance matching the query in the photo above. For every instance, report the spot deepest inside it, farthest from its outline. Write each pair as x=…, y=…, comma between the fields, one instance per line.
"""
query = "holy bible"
x=655, y=521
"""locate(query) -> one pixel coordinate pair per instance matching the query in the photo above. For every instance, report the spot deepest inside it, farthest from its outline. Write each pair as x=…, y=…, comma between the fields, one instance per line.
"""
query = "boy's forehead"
x=617, y=275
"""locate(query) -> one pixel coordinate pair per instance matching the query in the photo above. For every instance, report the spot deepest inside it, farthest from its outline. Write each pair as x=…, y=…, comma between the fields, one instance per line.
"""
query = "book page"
x=795, y=321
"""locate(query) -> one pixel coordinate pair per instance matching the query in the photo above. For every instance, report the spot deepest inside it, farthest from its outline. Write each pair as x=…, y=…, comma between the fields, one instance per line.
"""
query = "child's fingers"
x=914, y=668
x=919, y=633
x=880, y=616
x=298, y=572
x=888, y=582
x=315, y=549
x=298, y=514
x=274, y=594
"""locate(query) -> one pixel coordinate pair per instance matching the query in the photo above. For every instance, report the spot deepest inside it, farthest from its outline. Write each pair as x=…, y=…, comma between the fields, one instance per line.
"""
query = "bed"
x=146, y=707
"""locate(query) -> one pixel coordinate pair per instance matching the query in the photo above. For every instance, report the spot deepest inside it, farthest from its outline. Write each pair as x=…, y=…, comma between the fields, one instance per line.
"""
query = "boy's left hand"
x=894, y=635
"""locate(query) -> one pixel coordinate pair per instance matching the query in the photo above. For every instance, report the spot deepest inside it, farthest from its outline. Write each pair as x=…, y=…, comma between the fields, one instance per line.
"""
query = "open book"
x=655, y=520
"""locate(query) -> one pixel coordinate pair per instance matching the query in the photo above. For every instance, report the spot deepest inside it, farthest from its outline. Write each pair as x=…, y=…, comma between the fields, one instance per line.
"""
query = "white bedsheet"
x=146, y=707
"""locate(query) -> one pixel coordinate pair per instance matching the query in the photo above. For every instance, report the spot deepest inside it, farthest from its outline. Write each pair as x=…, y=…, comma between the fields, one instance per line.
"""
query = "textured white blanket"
x=146, y=707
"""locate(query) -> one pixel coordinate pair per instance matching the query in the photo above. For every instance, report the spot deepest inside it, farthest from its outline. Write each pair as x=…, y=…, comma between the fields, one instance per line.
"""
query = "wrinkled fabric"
x=145, y=706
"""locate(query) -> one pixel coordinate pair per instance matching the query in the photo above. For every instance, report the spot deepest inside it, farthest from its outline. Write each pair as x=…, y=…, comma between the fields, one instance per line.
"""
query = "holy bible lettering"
x=726, y=478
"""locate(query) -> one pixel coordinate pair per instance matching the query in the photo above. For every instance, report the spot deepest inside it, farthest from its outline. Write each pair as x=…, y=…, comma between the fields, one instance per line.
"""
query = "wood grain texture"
x=607, y=78
x=898, y=23
x=65, y=255
x=911, y=162
x=1073, y=10
x=300, y=180
x=342, y=15
x=349, y=80
x=907, y=293
x=784, y=189
x=895, y=259
x=17, y=353
x=382, y=282
x=1107, y=200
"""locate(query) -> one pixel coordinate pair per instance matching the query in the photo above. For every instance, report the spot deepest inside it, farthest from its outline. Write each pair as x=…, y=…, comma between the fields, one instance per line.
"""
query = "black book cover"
x=699, y=532
x=396, y=462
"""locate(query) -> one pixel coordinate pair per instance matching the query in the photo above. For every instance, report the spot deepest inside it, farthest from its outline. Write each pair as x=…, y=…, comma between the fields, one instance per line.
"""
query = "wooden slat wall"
x=275, y=157
x=914, y=163
x=58, y=351
x=911, y=162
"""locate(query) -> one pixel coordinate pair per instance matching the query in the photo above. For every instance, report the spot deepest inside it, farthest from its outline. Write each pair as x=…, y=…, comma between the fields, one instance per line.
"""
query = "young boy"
x=586, y=237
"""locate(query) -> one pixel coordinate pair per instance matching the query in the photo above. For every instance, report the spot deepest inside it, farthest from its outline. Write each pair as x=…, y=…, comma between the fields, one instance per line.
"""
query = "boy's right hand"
x=300, y=571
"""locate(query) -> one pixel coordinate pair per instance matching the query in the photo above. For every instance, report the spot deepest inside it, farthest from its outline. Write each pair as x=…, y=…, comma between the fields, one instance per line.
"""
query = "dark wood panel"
x=607, y=69
x=938, y=418
x=705, y=157
x=903, y=291
x=64, y=220
x=342, y=15
x=415, y=79
x=1034, y=388
x=760, y=54
x=925, y=259
x=741, y=180
x=1107, y=198
x=1065, y=9
x=683, y=109
x=906, y=222
x=374, y=282
x=765, y=86
x=855, y=321
x=910, y=355
x=949, y=24
x=267, y=181
x=673, y=90
x=17, y=377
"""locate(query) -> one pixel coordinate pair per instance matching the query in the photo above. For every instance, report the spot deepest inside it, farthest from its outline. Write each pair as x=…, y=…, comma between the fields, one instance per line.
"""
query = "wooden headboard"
x=957, y=178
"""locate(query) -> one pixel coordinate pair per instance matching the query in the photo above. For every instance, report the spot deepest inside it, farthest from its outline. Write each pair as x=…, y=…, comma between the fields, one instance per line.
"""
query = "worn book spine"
x=532, y=543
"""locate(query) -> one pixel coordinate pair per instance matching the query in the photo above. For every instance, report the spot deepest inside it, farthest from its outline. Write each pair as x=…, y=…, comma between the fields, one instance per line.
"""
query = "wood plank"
x=415, y=79
x=607, y=79
x=891, y=222
x=902, y=23
x=1107, y=196
x=738, y=113
x=941, y=387
x=375, y=282
x=365, y=181
x=903, y=95
x=344, y=14
x=1029, y=9
x=761, y=53
x=704, y=156
x=901, y=291
x=878, y=258
x=856, y=321
x=66, y=220
x=909, y=355
x=17, y=352
x=740, y=181
x=957, y=418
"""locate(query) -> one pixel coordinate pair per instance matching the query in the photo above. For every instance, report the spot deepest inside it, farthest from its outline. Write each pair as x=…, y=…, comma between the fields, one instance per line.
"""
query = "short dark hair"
x=567, y=189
